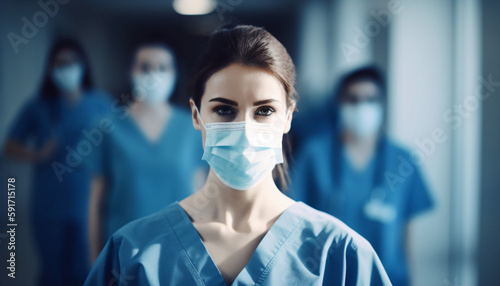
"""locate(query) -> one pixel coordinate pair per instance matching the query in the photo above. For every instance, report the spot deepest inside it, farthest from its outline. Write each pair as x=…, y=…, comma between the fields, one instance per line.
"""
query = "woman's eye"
x=163, y=68
x=265, y=111
x=145, y=68
x=224, y=110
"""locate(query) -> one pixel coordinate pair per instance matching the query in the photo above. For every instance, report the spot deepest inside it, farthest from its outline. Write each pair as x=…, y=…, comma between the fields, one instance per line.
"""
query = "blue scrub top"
x=142, y=176
x=377, y=202
x=42, y=120
x=303, y=247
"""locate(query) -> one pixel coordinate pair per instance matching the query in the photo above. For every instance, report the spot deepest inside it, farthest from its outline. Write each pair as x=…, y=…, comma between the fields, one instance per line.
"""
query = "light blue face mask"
x=243, y=153
x=68, y=78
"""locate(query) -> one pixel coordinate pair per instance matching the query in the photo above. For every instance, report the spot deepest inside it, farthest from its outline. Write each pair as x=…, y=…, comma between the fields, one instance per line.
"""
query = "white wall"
x=420, y=91
x=330, y=46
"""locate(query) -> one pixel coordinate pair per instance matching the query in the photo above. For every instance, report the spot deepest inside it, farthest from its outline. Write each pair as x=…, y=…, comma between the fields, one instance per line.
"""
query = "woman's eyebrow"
x=224, y=100
x=265, y=101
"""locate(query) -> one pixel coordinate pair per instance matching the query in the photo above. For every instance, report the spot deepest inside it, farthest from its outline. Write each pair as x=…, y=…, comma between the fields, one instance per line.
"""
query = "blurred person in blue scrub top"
x=44, y=133
x=239, y=228
x=355, y=173
x=152, y=155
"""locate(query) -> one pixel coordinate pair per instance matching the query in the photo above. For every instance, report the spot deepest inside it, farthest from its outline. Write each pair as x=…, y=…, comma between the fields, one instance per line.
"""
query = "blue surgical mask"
x=363, y=119
x=243, y=153
x=154, y=87
x=68, y=78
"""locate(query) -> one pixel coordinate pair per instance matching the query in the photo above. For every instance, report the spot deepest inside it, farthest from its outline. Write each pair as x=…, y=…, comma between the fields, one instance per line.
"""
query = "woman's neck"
x=360, y=142
x=141, y=107
x=72, y=97
x=216, y=202
x=152, y=119
x=359, y=151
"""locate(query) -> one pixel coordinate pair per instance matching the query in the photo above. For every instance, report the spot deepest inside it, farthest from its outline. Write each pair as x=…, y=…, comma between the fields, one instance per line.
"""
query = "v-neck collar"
x=259, y=264
x=163, y=133
x=366, y=170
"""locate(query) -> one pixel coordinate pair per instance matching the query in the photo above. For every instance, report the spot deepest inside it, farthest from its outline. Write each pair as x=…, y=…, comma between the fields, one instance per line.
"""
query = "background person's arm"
x=19, y=151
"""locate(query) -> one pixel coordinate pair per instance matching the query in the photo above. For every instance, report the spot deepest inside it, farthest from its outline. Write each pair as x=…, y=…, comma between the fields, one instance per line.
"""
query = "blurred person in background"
x=355, y=173
x=42, y=135
x=152, y=156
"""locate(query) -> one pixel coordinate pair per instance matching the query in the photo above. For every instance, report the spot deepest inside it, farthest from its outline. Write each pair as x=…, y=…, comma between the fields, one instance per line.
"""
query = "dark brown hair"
x=48, y=90
x=254, y=47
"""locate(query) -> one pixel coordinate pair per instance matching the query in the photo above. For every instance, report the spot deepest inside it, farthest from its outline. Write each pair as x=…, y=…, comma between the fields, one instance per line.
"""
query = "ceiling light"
x=194, y=7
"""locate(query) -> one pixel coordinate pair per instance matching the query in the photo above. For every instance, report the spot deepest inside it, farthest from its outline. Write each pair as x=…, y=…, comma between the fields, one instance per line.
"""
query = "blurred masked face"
x=67, y=71
x=361, y=110
x=153, y=75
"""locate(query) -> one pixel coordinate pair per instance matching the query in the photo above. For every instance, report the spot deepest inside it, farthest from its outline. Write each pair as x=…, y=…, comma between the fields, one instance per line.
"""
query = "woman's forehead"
x=362, y=88
x=242, y=83
x=67, y=54
x=153, y=55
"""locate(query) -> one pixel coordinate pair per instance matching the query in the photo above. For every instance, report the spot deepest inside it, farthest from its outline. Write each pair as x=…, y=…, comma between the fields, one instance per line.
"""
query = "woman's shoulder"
x=320, y=225
x=98, y=97
x=313, y=216
x=345, y=254
x=332, y=250
x=394, y=148
x=146, y=229
x=38, y=103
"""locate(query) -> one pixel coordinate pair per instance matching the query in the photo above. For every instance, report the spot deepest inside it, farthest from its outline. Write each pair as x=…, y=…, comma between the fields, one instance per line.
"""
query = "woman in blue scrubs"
x=151, y=156
x=44, y=131
x=362, y=177
x=239, y=228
